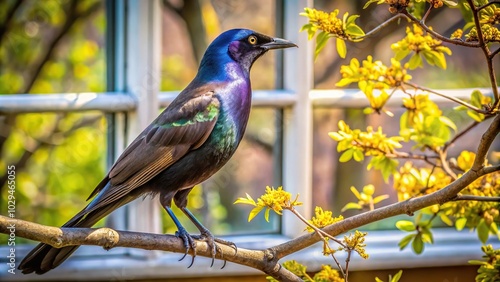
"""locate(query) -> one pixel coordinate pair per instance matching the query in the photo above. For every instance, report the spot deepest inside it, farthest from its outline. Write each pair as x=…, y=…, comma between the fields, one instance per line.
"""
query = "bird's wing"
x=181, y=128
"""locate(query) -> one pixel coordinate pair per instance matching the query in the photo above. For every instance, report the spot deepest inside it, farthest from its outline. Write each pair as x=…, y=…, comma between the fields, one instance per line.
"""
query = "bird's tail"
x=44, y=257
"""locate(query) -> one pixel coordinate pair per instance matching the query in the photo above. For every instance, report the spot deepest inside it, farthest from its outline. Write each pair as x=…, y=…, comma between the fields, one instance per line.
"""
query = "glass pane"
x=52, y=46
x=250, y=170
x=189, y=28
x=332, y=180
x=465, y=68
x=57, y=160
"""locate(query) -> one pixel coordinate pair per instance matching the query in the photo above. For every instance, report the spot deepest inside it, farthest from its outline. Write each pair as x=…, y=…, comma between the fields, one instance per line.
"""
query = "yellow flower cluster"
x=417, y=41
x=277, y=199
x=457, y=34
x=371, y=142
x=397, y=5
x=374, y=75
x=327, y=22
x=356, y=242
x=322, y=218
x=424, y=122
x=273, y=199
x=327, y=273
x=436, y=3
x=475, y=211
x=411, y=182
x=490, y=34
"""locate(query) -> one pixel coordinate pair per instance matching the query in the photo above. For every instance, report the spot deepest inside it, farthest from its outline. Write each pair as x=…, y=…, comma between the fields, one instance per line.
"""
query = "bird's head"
x=242, y=46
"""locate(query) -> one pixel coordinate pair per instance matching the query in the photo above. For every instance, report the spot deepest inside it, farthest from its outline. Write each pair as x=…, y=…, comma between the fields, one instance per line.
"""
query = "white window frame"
x=133, y=101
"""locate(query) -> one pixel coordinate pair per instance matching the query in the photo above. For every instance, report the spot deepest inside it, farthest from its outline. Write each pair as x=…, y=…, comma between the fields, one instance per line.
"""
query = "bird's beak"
x=278, y=43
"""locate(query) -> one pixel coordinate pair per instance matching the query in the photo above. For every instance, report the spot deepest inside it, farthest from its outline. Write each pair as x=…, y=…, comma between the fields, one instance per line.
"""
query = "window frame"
x=132, y=102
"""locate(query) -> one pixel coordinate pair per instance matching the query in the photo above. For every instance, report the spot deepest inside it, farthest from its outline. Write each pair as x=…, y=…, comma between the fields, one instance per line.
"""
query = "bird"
x=186, y=144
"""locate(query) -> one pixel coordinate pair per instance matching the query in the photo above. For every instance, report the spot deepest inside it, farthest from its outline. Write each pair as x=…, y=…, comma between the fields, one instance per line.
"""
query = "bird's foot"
x=211, y=241
x=189, y=244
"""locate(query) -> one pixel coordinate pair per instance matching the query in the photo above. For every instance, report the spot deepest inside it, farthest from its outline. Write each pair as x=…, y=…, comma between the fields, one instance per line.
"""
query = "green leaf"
x=405, y=225
x=351, y=20
x=376, y=278
x=351, y=206
x=380, y=198
x=477, y=262
x=445, y=219
x=341, y=48
x=346, y=156
x=439, y=59
x=476, y=98
x=405, y=241
x=255, y=211
x=266, y=214
x=494, y=229
x=373, y=1
x=354, y=31
x=460, y=223
x=321, y=40
x=450, y=3
x=248, y=200
x=355, y=192
x=397, y=276
x=415, y=62
x=427, y=237
x=418, y=245
x=448, y=122
x=475, y=116
x=401, y=54
x=483, y=231
x=358, y=155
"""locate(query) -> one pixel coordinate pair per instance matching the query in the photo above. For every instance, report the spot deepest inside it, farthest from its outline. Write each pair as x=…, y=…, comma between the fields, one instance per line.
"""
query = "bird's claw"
x=211, y=241
x=189, y=244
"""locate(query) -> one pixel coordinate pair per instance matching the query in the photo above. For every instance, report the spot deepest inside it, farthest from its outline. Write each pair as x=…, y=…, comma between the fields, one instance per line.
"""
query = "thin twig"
x=322, y=234
x=424, y=18
x=451, y=98
x=446, y=166
x=380, y=26
x=437, y=35
x=347, y=261
x=487, y=5
x=494, y=53
x=459, y=135
x=476, y=198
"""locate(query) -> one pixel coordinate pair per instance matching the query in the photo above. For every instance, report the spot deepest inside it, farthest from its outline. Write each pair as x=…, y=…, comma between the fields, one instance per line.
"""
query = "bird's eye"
x=252, y=39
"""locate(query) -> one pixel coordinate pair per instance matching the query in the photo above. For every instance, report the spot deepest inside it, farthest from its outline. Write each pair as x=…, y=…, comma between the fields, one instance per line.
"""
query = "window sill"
x=450, y=249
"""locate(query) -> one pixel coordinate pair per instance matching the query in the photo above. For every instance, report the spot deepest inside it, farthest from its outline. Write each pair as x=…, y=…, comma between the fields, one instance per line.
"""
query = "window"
x=285, y=138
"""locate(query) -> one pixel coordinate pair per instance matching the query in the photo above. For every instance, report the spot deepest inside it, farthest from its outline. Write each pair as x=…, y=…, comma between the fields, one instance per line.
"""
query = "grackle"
x=185, y=145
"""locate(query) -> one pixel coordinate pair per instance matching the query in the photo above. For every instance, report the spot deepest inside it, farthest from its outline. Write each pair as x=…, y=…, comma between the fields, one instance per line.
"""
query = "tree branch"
x=109, y=238
x=485, y=143
x=407, y=207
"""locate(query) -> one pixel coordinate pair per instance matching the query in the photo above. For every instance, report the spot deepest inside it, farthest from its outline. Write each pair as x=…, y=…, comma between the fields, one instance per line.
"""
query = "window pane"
x=58, y=159
x=189, y=28
x=465, y=68
x=332, y=180
x=253, y=166
x=250, y=170
x=52, y=46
